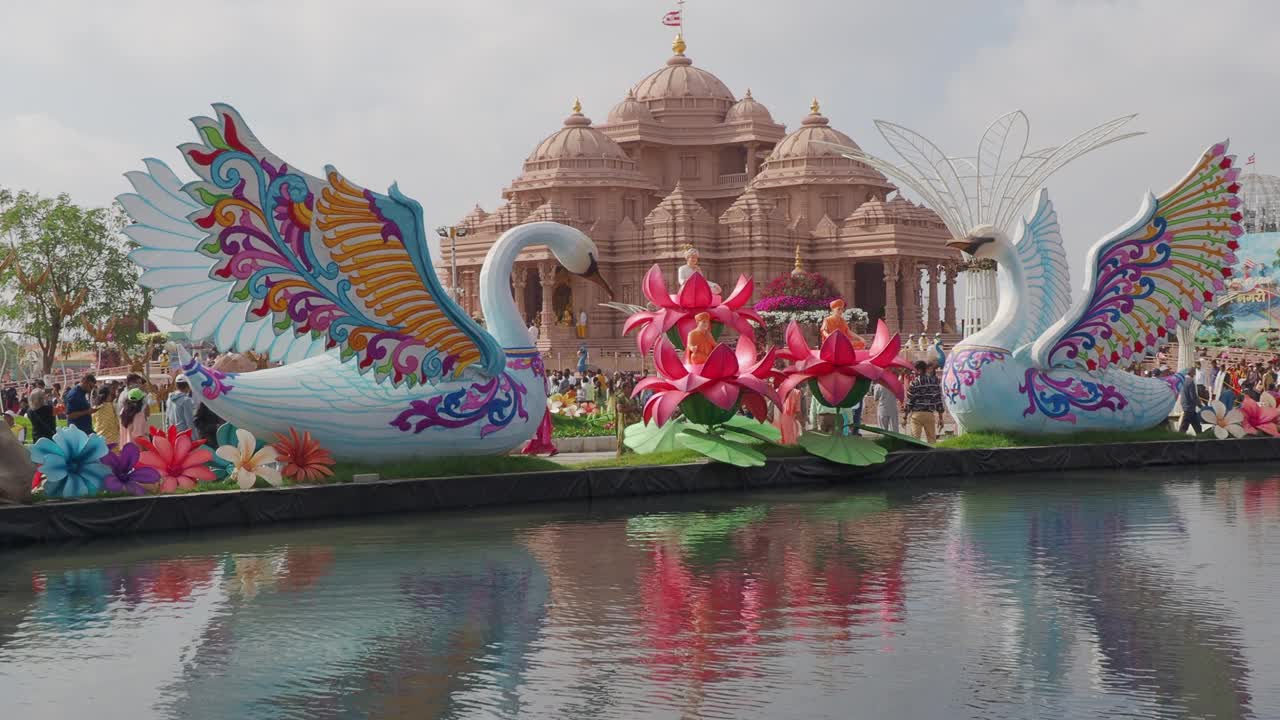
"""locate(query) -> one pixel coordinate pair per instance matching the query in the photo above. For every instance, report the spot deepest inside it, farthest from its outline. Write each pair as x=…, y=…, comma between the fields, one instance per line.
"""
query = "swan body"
x=1043, y=364
x=338, y=283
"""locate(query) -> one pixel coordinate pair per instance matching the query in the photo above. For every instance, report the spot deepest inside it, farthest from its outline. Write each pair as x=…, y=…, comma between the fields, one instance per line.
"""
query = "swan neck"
x=1005, y=329
x=501, y=315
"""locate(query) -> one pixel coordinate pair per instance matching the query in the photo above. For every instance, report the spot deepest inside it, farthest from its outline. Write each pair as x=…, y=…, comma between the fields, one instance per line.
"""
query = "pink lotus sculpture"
x=1260, y=417
x=709, y=393
x=677, y=312
x=839, y=374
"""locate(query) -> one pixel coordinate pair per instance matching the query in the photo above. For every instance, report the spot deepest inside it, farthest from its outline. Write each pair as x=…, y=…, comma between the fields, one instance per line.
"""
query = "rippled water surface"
x=1056, y=596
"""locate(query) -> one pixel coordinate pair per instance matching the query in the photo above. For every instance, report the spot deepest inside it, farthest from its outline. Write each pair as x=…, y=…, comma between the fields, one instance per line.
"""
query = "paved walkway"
x=578, y=458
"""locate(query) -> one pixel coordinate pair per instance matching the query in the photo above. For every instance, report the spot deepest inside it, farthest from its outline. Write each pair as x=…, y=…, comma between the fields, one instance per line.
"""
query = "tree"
x=65, y=266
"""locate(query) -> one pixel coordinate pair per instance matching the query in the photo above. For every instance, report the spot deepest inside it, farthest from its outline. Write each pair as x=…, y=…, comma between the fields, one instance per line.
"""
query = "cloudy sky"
x=448, y=98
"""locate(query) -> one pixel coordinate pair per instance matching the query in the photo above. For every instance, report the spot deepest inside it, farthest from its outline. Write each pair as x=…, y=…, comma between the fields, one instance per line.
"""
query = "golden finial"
x=677, y=45
x=577, y=105
x=798, y=268
x=815, y=108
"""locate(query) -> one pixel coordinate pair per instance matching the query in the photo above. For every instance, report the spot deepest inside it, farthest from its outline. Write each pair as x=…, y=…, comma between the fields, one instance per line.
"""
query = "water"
x=1067, y=596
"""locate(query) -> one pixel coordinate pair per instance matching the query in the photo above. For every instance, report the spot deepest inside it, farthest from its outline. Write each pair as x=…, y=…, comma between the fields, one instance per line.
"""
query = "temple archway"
x=532, y=296
x=562, y=296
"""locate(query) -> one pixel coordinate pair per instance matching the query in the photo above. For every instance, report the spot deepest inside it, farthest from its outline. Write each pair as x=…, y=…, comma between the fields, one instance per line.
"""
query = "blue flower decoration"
x=71, y=463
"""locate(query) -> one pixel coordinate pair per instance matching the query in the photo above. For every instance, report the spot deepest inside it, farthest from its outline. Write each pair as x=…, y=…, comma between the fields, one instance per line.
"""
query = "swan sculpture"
x=339, y=283
x=1044, y=365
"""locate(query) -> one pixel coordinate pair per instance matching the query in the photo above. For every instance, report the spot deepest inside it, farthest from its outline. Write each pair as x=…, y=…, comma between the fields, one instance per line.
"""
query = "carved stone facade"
x=682, y=162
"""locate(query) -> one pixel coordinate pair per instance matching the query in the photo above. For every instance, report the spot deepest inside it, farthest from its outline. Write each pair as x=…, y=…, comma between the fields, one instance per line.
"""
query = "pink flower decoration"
x=727, y=377
x=181, y=461
x=1260, y=417
x=837, y=366
x=678, y=311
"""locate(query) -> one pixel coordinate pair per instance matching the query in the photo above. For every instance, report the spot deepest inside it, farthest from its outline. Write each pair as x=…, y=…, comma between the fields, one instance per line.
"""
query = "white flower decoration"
x=246, y=465
x=1224, y=423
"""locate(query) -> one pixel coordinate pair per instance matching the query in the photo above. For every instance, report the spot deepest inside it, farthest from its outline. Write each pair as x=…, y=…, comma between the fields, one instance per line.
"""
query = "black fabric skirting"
x=64, y=520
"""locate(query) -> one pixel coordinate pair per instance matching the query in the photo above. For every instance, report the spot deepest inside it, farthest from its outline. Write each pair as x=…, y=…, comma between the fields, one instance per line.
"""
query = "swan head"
x=983, y=242
x=577, y=253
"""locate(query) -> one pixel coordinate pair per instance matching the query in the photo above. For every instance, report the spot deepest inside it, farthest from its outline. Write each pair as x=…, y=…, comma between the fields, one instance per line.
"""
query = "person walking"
x=133, y=416
x=40, y=413
x=179, y=412
x=106, y=421
x=924, y=404
x=79, y=407
x=1189, y=398
x=886, y=407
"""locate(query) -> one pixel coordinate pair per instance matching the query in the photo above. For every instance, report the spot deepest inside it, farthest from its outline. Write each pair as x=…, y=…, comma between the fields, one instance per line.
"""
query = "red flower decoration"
x=838, y=368
x=1233, y=244
x=709, y=393
x=303, y=458
x=678, y=311
x=180, y=460
x=1226, y=272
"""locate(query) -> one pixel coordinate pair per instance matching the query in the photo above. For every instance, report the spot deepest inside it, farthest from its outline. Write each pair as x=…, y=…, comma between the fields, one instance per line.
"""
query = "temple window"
x=784, y=206
x=689, y=167
x=586, y=209
x=630, y=209
x=831, y=206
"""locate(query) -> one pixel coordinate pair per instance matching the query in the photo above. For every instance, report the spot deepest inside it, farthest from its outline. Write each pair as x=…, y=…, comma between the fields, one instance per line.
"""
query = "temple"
x=681, y=161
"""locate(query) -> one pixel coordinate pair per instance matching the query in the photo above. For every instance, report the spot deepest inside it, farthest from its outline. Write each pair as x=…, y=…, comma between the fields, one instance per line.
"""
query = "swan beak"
x=594, y=276
x=969, y=246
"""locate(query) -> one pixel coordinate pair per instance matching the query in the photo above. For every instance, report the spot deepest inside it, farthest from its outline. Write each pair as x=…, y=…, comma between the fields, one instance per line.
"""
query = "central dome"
x=679, y=87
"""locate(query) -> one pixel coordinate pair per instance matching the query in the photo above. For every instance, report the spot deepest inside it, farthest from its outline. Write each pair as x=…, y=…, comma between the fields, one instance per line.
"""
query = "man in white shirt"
x=533, y=333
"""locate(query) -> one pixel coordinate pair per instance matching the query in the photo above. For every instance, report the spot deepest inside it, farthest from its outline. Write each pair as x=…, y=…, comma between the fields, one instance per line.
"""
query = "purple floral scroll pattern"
x=496, y=402
x=213, y=383
x=963, y=369
x=1060, y=399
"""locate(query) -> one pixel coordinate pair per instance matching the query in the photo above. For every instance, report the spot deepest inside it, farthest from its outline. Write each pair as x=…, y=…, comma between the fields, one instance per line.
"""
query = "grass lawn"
x=584, y=426
x=983, y=440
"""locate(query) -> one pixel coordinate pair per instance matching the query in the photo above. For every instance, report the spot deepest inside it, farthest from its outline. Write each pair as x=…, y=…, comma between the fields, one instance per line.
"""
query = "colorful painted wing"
x=180, y=277
x=1046, y=273
x=1155, y=274
x=326, y=259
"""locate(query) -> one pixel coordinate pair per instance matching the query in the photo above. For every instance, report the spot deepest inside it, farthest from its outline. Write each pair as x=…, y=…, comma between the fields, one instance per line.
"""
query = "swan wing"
x=180, y=277
x=1045, y=269
x=320, y=258
x=1154, y=274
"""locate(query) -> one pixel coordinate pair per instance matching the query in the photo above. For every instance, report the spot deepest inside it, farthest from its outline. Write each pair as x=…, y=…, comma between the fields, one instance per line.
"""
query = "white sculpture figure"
x=690, y=267
x=1044, y=365
x=339, y=282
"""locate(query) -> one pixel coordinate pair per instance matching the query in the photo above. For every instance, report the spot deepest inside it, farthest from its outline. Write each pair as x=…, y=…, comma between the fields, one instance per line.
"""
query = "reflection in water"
x=1082, y=596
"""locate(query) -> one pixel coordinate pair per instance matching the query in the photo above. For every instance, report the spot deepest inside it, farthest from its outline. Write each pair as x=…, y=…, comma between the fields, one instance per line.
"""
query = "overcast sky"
x=448, y=98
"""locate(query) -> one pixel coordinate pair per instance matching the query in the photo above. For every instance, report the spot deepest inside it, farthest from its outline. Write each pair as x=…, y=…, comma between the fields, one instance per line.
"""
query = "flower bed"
x=582, y=426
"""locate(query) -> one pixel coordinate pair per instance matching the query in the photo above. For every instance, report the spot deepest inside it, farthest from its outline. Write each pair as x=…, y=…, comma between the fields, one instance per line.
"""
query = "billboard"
x=1248, y=314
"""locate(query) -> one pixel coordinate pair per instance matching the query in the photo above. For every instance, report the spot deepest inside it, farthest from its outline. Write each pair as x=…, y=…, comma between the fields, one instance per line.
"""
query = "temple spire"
x=798, y=269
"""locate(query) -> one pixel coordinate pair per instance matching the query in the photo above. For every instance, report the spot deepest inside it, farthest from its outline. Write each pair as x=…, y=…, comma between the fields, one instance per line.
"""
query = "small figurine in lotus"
x=700, y=343
x=691, y=266
x=835, y=323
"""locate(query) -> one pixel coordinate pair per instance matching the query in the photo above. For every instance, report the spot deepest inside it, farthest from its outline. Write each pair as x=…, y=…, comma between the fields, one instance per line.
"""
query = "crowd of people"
x=119, y=411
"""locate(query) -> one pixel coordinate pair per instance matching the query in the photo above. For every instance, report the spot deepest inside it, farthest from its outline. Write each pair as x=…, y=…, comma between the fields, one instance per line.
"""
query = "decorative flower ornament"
x=71, y=463
x=839, y=374
x=709, y=394
x=677, y=312
x=1260, y=417
x=247, y=465
x=303, y=458
x=126, y=475
x=1224, y=423
x=180, y=460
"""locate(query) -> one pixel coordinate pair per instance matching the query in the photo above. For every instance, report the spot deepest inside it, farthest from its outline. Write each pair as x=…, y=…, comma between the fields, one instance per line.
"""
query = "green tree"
x=66, y=266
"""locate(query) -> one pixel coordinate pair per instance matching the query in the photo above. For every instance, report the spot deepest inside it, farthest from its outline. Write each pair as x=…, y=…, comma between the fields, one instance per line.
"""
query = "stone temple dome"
x=805, y=155
x=630, y=110
x=807, y=141
x=681, y=88
x=577, y=139
x=748, y=109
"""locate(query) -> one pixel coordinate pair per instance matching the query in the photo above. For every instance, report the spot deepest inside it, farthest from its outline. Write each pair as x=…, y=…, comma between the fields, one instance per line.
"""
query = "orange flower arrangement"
x=303, y=458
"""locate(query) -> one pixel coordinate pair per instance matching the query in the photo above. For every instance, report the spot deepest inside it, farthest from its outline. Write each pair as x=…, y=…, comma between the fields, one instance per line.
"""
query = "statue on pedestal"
x=700, y=343
x=691, y=266
x=835, y=323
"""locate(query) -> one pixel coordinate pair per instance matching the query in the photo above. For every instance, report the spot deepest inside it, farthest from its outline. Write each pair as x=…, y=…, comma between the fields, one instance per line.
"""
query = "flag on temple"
x=1251, y=159
x=672, y=18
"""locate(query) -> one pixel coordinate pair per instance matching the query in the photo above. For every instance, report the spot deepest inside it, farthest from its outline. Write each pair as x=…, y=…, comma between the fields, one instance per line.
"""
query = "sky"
x=448, y=98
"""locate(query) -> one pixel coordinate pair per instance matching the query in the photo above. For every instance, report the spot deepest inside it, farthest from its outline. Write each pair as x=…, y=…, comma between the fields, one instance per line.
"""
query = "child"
x=133, y=417
x=105, y=420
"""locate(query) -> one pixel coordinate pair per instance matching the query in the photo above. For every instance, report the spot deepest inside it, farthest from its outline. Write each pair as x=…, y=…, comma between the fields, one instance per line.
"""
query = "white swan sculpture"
x=339, y=283
x=1044, y=365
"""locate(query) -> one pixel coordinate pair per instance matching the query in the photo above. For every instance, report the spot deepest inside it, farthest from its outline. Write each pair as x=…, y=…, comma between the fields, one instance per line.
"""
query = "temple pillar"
x=935, y=323
x=753, y=163
x=547, y=276
x=910, y=269
x=851, y=299
x=949, y=319
x=891, y=295
x=519, y=279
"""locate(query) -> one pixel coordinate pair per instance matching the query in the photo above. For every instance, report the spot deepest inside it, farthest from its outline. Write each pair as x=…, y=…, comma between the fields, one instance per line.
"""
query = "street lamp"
x=453, y=232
